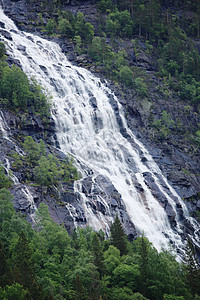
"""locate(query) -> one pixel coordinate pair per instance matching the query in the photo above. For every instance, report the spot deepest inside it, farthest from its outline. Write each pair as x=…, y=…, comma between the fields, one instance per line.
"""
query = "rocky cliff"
x=173, y=151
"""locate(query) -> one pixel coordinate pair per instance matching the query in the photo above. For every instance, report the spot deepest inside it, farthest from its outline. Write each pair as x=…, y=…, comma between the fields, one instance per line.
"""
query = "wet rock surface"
x=177, y=160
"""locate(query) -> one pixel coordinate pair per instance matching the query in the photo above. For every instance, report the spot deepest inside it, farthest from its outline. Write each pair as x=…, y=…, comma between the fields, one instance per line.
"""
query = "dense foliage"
x=47, y=263
x=43, y=168
x=17, y=92
x=121, y=36
x=167, y=35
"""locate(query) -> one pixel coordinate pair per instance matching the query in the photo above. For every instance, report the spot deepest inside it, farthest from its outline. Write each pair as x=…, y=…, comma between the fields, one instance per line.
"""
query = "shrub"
x=51, y=26
x=66, y=28
x=140, y=87
x=2, y=49
x=16, y=92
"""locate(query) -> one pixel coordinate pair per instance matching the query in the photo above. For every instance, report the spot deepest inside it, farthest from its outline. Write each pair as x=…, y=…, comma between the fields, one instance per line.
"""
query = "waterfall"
x=22, y=189
x=91, y=126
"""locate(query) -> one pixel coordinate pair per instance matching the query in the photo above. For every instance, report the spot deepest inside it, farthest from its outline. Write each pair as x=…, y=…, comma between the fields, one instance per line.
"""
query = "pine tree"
x=118, y=236
x=79, y=289
x=24, y=271
x=3, y=264
x=98, y=254
x=192, y=269
x=143, y=252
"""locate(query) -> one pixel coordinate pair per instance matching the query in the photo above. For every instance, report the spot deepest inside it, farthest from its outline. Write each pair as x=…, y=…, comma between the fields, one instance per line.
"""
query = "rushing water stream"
x=87, y=117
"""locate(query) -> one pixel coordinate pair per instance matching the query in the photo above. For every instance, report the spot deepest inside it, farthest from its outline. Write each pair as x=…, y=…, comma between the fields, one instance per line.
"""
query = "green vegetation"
x=164, y=125
x=44, y=170
x=4, y=180
x=117, y=236
x=70, y=26
x=163, y=31
x=47, y=263
x=119, y=23
x=17, y=92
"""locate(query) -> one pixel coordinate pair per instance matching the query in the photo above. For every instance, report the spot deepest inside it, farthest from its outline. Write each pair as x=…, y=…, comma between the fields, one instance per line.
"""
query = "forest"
x=41, y=260
x=167, y=33
x=44, y=262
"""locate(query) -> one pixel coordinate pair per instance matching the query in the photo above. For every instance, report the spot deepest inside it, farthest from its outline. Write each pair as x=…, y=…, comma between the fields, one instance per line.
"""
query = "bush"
x=51, y=26
x=95, y=50
x=140, y=87
x=188, y=92
x=48, y=170
x=4, y=180
x=66, y=28
x=126, y=76
x=16, y=92
x=104, y=5
x=83, y=29
x=119, y=23
x=14, y=86
x=112, y=27
x=33, y=150
x=2, y=49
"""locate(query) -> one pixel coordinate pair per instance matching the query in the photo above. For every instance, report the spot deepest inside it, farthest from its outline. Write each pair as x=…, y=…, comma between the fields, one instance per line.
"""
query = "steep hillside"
x=149, y=56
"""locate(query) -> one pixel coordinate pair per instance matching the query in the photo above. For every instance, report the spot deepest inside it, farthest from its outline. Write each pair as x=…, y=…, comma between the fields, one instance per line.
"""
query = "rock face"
x=174, y=155
x=65, y=204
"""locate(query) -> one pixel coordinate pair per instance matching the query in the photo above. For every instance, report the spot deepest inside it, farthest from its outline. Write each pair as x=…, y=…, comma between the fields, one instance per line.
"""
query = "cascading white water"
x=3, y=126
x=87, y=127
x=4, y=129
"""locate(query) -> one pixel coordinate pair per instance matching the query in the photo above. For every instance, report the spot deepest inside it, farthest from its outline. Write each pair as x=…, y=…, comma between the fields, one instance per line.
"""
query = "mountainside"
x=160, y=107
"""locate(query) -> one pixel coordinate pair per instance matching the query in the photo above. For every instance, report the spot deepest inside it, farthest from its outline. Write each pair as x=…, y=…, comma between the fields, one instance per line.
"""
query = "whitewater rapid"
x=88, y=128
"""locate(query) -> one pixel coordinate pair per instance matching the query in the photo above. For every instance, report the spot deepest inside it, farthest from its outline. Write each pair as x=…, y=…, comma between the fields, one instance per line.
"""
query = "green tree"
x=3, y=265
x=104, y=5
x=68, y=170
x=117, y=236
x=138, y=296
x=14, y=292
x=38, y=100
x=112, y=27
x=66, y=28
x=79, y=289
x=139, y=16
x=143, y=263
x=111, y=259
x=51, y=26
x=34, y=151
x=48, y=171
x=192, y=269
x=83, y=29
x=17, y=163
x=54, y=236
x=97, y=252
x=173, y=297
x=5, y=182
x=126, y=276
x=6, y=207
x=126, y=75
x=96, y=49
x=14, y=86
x=78, y=42
x=2, y=50
x=140, y=86
x=118, y=293
x=24, y=273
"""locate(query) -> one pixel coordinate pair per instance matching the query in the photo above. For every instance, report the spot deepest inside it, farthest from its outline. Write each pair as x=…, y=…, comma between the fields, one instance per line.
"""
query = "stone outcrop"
x=177, y=158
